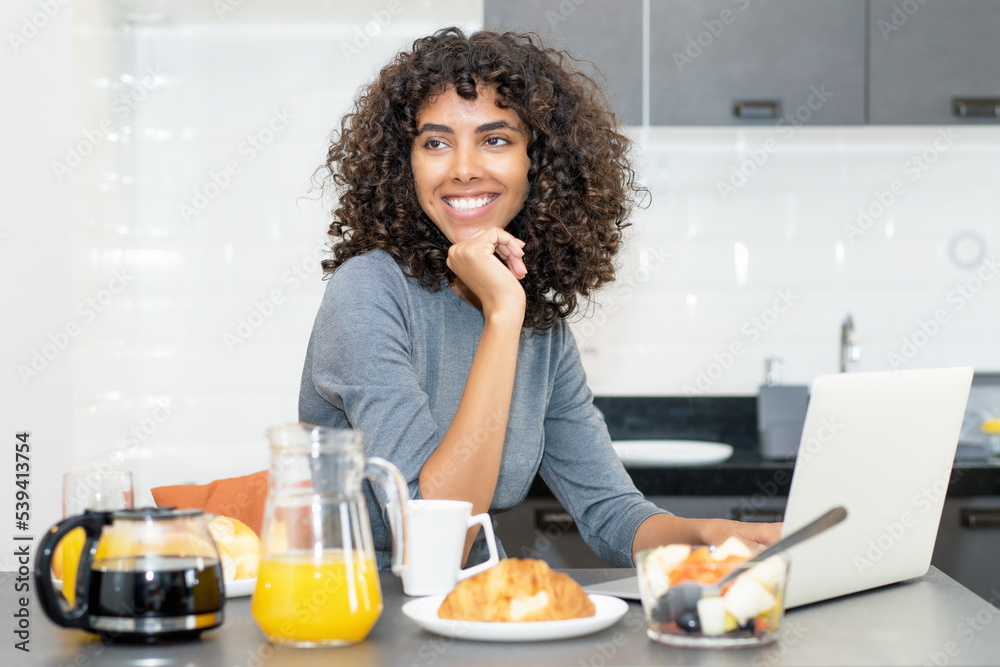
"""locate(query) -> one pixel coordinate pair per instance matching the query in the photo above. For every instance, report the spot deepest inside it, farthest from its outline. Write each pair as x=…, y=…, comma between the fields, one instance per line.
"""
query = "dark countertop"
x=733, y=420
x=746, y=474
x=929, y=620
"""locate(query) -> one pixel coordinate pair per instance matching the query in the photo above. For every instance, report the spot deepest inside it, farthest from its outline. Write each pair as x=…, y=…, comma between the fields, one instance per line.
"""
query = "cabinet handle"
x=554, y=518
x=976, y=107
x=762, y=515
x=757, y=109
x=980, y=518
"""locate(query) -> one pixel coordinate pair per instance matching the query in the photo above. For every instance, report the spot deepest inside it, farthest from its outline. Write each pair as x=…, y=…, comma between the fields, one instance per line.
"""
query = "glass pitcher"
x=318, y=581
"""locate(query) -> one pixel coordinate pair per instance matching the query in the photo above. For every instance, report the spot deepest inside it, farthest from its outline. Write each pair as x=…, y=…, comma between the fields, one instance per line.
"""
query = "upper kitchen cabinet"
x=608, y=34
x=935, y=61
x=733, y=62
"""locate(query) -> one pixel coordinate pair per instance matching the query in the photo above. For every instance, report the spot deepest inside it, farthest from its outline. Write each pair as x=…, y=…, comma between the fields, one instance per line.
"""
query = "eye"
x=497, y=141
x=433, y=143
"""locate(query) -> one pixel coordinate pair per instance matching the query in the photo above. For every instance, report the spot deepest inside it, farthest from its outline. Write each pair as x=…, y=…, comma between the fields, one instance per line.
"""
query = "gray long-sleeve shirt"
x=391, y=358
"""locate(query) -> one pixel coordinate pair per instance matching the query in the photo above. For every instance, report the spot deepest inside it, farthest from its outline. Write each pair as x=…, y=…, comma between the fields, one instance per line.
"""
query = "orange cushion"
x=237, y=497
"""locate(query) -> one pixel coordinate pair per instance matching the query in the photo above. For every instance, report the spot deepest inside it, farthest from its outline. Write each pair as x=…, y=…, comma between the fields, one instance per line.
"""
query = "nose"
x=467, y=164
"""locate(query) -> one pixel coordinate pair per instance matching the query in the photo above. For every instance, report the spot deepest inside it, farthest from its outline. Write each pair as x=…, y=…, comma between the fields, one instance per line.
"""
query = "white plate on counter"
x=239, y=588
x=659, y=453
x=423, y=611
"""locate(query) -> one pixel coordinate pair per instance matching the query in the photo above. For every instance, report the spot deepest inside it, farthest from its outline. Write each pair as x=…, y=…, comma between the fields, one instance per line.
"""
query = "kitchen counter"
x=926, y=621
x=745, y=474
x=733, y=420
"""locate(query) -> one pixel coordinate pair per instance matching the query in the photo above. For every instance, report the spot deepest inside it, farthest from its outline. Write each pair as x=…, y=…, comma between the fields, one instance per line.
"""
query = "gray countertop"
x=931, y=620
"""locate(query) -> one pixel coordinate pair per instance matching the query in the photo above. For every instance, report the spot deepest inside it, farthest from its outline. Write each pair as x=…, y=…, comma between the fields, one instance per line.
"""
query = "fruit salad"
x=685, y=605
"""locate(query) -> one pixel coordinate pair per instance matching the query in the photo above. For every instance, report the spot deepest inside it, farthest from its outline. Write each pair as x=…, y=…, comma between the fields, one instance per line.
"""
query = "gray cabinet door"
x=734, y=62
x=930, y=59
x=608, y=33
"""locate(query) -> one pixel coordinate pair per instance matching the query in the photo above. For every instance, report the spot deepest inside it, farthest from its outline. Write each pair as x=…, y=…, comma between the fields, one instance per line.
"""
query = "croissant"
x=238, y=547
x=517, y=590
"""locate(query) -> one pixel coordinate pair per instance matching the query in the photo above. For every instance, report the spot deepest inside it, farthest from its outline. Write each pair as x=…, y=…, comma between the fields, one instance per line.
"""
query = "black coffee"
x=157, y=586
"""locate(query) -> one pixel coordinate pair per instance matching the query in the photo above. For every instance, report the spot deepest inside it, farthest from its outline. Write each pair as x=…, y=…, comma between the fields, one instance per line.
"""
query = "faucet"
x=850, y=346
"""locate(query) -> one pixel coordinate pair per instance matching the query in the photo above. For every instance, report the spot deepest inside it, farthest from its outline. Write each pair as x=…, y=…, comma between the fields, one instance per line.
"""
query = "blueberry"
x=681, y=598
x=688, y=621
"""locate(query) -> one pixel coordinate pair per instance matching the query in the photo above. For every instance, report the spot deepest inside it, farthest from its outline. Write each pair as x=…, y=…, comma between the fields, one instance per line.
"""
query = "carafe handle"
x=76, y=616
x=398, y=495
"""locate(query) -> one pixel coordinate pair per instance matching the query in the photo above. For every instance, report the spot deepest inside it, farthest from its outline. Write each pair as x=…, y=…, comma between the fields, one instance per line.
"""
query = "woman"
x=483, y=187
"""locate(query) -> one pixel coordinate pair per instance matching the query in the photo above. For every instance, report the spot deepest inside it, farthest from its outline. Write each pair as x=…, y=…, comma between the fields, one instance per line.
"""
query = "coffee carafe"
x=145, y=575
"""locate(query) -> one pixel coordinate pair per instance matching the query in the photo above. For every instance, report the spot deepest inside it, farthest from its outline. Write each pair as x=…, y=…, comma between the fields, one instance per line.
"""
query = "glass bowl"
x=684, y=606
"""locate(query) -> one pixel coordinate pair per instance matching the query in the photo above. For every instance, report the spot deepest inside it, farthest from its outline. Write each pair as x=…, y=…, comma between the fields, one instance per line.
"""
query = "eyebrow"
x=485, y=127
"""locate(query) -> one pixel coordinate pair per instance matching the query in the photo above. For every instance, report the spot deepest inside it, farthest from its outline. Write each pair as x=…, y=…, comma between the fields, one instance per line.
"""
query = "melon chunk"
x=747, y=598
x=733, y=546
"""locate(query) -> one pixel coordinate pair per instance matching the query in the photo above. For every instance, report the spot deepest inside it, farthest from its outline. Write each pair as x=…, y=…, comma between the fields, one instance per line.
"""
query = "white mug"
x=435, y=540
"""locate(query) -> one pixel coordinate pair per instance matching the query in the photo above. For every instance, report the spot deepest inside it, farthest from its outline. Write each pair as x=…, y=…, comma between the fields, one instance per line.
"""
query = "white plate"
x=237, y=588
x=656, y=453
x=423, y=612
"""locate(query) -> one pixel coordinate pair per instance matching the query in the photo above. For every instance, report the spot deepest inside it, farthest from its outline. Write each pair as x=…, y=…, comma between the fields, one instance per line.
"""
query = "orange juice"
x=72, y=545
x=302, y=600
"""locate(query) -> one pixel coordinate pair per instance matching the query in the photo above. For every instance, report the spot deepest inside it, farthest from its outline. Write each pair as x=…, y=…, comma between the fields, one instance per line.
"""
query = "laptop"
x=882, y=445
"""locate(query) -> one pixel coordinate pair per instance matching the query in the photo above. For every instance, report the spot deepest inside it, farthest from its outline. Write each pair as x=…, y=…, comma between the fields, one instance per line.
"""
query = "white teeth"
x=469, y=204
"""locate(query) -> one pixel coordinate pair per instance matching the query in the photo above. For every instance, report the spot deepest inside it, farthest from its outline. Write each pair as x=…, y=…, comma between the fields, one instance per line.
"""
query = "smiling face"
x=470, y=163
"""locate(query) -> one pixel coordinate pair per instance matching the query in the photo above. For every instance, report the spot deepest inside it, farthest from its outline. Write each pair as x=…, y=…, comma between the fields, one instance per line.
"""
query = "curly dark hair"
x=581, y=184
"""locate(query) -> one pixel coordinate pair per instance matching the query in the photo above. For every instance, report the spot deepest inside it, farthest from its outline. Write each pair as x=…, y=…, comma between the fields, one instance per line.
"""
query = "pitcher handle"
x=77, y=615
x=398, y=494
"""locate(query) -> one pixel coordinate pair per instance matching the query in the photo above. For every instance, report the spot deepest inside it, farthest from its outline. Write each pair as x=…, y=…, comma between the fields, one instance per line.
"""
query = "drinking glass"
x=87, y=490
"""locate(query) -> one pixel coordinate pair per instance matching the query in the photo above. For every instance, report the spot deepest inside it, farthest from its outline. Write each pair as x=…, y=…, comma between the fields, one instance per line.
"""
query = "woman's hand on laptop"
x=717, y=531
x=669, y=529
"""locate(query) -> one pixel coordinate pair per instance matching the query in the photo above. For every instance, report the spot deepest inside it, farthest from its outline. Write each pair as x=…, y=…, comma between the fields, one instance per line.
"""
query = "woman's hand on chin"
x=489, y=264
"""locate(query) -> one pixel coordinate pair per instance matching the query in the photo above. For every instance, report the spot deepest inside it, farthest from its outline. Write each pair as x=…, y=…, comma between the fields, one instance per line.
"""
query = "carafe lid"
x=153, y=513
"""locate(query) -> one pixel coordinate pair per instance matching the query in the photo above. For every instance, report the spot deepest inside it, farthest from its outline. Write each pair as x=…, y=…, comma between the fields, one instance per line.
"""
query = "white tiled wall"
x=787, y=234
x=202, y=201
x=160, y=386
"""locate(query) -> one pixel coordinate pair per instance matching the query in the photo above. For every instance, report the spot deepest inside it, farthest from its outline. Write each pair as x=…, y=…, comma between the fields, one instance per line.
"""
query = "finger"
x=505, y=238
x=517, y=267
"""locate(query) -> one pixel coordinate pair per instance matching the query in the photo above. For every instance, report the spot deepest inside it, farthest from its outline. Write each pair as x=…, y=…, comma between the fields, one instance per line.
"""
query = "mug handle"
x=77, y=615
x=486, y=522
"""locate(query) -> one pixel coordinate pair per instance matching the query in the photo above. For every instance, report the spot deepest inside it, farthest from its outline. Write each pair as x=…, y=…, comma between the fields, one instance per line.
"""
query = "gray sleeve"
x=582, y=469
x=360, y=363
